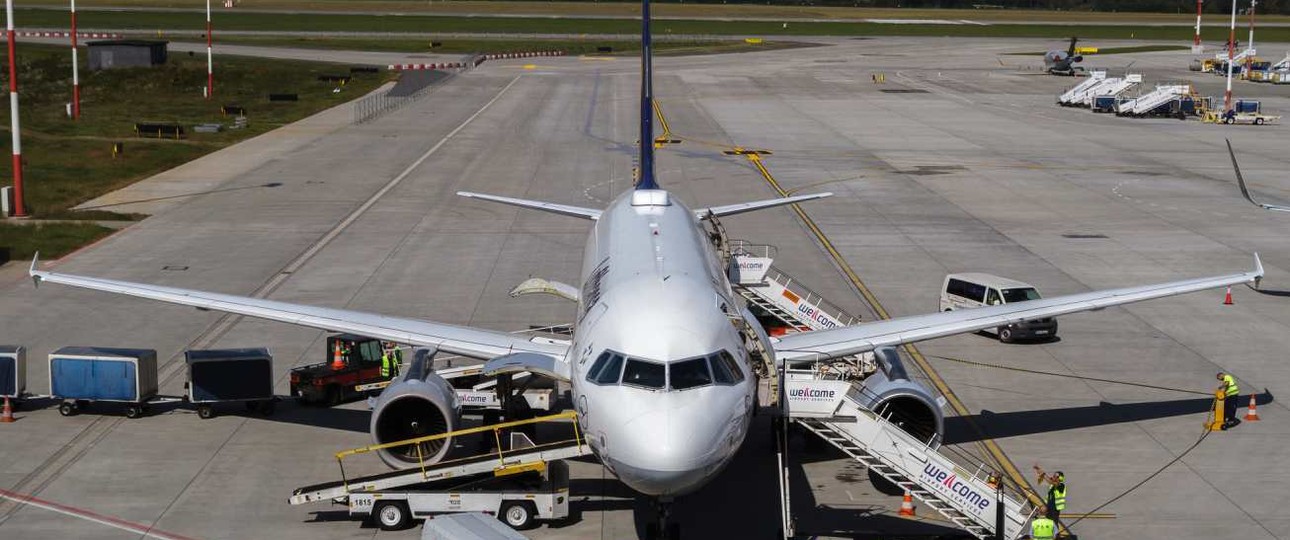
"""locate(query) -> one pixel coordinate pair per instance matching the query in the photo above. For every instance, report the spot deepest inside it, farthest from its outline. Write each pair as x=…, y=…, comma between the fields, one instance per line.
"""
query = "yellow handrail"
x=570, y=415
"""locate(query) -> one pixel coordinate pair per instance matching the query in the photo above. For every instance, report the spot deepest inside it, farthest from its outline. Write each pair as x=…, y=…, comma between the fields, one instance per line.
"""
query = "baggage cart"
x=230, y=376
x=83, y=375
x=13, y=373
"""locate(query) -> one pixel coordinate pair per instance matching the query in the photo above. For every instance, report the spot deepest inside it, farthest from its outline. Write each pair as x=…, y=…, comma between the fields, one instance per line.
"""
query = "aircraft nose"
x=665, y=453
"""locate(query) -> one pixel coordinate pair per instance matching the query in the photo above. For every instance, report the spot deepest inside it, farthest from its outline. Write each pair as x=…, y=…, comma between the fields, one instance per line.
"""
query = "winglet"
x=1245, y=190
x=1258, y=270
x=35, y=275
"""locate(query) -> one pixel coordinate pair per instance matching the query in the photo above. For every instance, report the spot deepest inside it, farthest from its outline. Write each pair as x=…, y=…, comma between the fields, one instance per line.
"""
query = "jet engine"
x=417, y=404
x=907, y=403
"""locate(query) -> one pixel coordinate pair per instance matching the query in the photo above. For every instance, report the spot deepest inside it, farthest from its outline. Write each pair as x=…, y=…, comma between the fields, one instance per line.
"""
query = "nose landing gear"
x=661, y=529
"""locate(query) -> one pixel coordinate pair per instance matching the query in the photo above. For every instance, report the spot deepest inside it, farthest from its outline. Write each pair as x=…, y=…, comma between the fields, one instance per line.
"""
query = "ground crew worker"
x=1056, y=493
x=1042, y=528
x=390, y=360
x=1231, y=391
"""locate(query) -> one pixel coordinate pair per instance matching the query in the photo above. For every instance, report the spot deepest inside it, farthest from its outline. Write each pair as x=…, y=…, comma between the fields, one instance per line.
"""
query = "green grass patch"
x=52, y=240
x=1103, y=51
x=68, y=162
x=318, y=22
x=471, y=46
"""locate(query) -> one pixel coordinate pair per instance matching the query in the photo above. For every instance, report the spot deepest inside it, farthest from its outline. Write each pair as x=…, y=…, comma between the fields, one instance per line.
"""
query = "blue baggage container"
x=13, y=371
x=103, y=374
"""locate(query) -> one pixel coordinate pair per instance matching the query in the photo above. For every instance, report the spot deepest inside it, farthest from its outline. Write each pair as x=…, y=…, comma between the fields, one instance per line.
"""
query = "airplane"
x=1062, y=62
x=1245, y=191
x=661, y=380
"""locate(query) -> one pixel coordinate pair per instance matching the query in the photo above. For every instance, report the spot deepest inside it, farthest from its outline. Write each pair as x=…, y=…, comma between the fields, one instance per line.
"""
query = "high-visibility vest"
x=1059, y=497
x=385, y=365
x=1043, y=529
x=1232, y=389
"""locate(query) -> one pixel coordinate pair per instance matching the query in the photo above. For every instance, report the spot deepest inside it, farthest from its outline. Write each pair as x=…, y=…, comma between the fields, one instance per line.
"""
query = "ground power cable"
x=1067, y=375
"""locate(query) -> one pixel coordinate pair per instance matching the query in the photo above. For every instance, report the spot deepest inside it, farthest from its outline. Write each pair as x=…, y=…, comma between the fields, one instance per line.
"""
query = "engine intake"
x=904, y=402
x=419, y=403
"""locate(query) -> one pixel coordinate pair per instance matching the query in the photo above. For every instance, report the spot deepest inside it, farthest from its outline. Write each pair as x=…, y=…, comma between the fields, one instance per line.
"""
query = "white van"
x=969, y=290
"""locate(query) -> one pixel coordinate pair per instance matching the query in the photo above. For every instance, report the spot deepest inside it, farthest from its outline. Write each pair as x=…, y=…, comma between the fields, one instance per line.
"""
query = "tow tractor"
x=354, y=361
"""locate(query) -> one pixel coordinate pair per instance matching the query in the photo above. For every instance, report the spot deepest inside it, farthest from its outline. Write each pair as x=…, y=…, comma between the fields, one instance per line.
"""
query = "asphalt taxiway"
x=960, y=161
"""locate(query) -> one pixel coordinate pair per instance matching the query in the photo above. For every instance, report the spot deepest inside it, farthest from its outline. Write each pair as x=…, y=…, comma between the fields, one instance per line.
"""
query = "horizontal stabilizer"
x=732, y=209
x=562, y=209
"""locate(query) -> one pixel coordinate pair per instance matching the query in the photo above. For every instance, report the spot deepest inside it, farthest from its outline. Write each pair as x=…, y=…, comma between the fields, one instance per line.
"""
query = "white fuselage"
x=655, y=293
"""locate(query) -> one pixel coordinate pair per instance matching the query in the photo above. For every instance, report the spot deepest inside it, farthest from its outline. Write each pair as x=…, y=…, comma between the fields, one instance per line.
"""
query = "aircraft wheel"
x=392, y=515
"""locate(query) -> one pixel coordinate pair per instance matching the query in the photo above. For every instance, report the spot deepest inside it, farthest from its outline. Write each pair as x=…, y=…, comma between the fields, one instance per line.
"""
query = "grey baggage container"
x=85, y=374
x=13, y=371
x=230, y=375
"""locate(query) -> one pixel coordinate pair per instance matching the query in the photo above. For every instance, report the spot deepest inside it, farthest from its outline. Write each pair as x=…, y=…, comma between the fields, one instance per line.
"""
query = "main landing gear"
x=661, y=529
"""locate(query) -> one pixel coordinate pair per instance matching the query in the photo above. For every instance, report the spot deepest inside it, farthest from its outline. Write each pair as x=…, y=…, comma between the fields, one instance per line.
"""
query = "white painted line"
x=146, y=531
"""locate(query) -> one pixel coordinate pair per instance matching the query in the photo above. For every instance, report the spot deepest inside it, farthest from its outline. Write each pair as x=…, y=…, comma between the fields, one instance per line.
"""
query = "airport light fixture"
x=19, y=208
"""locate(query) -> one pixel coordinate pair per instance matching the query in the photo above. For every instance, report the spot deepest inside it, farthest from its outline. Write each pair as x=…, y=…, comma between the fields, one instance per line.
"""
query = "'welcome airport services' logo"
x=811, y=394
x=960, y=490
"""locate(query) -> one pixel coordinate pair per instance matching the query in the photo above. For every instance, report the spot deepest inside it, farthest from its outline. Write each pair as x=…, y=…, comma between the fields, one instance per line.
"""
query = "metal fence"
x=375, y=105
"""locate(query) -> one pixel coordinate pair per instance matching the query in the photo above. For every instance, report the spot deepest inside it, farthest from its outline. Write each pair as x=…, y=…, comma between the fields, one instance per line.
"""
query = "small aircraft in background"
x=1063, y=62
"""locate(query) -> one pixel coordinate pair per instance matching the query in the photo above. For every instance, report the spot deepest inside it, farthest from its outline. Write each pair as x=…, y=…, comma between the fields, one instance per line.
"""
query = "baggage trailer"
x=13, y=373
x=518, y=500
x=230, y=376
x=82, y=375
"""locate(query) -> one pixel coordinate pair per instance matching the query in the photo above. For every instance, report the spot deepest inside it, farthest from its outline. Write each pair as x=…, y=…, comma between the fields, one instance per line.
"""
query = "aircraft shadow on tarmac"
x=959, y=429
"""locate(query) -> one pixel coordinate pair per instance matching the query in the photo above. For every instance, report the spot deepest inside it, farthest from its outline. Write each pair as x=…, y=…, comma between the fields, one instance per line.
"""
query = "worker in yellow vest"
x=390, y=360
x=1231, y=391
x=1056, y=493
x=1042, y=528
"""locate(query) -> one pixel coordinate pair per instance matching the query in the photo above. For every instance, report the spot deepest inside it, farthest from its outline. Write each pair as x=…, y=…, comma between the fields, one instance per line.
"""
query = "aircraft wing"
x=465, y=341
x=826, y=344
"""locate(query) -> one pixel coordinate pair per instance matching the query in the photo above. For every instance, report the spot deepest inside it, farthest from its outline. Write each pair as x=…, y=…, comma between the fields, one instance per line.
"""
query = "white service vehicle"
x=972, y=290
x=518, y=500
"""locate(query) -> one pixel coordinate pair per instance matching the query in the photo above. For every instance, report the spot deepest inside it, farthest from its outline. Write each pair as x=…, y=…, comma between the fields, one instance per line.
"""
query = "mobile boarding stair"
x=1111, y=87
x=527, y=456
x=962, y=493
x=1147, y=103
x=1075, y=95
x=779, y=294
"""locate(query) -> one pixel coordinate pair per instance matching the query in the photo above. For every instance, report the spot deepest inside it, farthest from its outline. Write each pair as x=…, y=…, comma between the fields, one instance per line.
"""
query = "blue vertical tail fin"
x=646, y=180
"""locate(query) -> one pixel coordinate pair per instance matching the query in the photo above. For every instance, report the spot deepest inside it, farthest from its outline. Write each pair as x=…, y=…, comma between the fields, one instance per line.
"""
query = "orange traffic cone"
x=8, y=412
x=1227, y=300
x=1251, y=414
x=338, y=361
x=907, y=506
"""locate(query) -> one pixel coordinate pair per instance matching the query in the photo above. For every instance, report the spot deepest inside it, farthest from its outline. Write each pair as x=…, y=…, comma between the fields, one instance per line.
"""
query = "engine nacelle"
x=907, y=403
x=417, y=404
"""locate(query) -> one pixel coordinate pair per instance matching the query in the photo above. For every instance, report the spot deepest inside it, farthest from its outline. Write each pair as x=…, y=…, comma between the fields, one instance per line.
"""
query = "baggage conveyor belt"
x=497, y=462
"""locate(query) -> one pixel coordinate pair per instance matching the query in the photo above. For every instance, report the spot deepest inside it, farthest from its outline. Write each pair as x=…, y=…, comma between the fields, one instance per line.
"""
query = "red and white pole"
x=1249, y=58
x=1231, y=58
x=19, y=209
x=210, y=62
x=76, y=71
x=1196, y=47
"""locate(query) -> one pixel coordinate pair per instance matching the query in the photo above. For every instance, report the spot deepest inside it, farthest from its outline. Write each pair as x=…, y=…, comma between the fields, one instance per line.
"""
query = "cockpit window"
x=721, y=371
x=690, y=374
x=645, y=374
x=725, y=358
x=606, y=368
